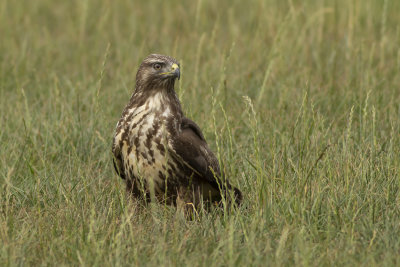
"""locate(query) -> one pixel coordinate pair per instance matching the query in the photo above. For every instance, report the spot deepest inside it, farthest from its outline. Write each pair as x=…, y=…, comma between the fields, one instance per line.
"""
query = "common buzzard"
x=158, y=151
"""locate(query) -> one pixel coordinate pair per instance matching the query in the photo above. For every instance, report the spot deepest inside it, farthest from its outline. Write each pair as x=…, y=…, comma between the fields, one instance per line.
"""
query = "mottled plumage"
x=157, y=150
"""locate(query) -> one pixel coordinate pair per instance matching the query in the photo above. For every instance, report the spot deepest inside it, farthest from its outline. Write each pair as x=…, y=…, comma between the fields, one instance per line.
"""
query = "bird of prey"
x=159, y=152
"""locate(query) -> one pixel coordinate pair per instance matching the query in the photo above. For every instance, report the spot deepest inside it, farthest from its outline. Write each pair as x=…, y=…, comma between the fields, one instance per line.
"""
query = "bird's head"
x=157, y=72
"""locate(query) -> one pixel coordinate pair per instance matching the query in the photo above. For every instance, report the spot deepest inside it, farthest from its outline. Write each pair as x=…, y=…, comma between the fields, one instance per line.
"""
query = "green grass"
x=314, y=145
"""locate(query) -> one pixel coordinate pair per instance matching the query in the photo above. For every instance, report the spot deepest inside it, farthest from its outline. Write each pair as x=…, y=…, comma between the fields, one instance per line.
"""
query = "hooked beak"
x=175, y=71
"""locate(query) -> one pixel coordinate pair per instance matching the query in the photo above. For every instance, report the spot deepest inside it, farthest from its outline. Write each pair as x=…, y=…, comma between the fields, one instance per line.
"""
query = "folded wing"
x=191, y=147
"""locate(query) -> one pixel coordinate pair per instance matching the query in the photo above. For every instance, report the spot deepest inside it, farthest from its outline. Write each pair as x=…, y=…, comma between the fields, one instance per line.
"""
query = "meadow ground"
x=314, y=145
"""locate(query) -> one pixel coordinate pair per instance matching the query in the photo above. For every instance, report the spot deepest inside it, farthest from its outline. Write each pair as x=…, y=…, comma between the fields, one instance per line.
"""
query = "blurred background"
x=314, y=145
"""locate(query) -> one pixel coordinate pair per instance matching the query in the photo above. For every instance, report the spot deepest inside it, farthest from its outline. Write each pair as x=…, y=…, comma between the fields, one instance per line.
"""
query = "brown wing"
x=192, y=148
x=117, y=159
x=119, y=168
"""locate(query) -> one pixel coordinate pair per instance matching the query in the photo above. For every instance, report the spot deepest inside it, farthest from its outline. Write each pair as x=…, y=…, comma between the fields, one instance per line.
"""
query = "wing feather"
x=192, y=148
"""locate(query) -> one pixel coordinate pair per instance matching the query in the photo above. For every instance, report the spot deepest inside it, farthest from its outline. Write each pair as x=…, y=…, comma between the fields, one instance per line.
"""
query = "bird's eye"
x=157, y=66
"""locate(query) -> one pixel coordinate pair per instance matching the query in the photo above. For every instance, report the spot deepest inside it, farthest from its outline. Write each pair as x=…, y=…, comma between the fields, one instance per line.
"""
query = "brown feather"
x=156, y=149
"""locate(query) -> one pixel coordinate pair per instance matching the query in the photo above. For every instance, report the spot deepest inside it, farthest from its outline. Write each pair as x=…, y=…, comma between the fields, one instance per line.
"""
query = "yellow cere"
x=175, y=66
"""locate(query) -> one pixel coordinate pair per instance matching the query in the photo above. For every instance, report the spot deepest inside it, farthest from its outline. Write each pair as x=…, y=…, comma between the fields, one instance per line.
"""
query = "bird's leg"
x=135, y=193
x=186, y=204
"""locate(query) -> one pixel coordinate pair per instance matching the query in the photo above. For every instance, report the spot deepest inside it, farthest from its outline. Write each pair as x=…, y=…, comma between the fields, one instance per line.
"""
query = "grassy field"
x=300, y=100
